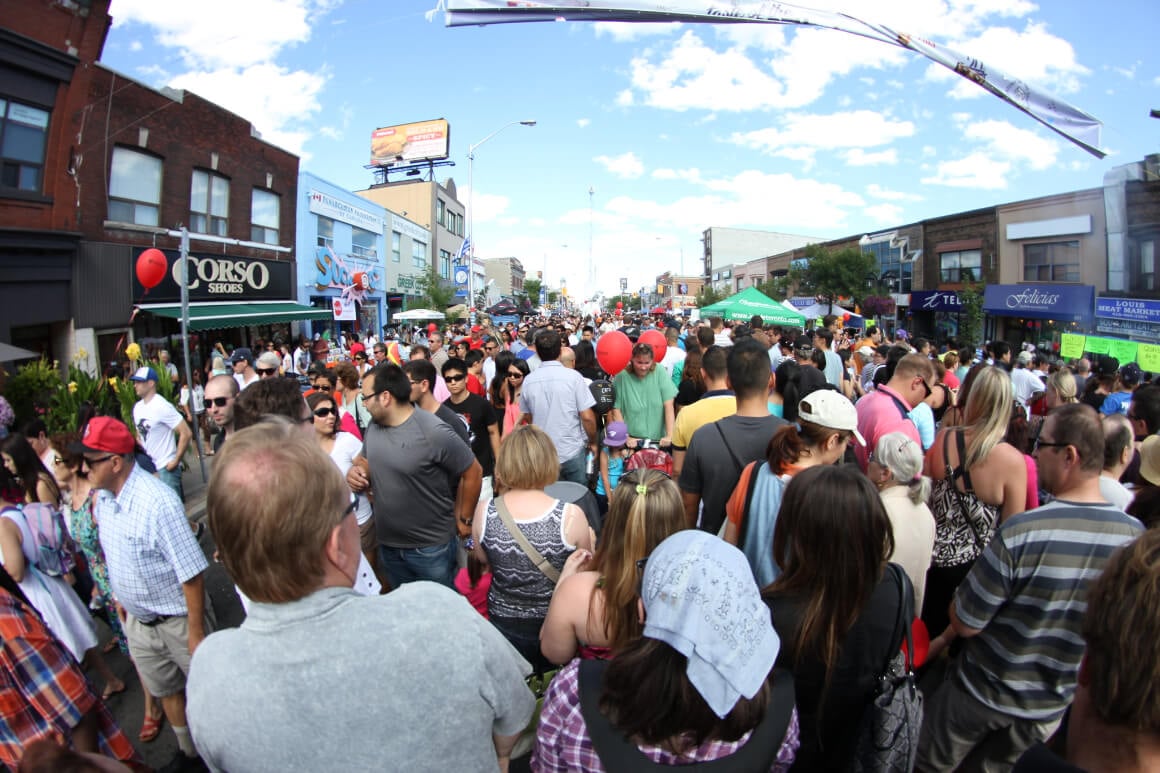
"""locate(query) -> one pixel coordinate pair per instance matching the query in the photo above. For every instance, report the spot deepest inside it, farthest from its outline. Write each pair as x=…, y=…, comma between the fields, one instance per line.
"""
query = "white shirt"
x=673, y=355
x=242, y=383
x=1026, y=383
x=156, y=421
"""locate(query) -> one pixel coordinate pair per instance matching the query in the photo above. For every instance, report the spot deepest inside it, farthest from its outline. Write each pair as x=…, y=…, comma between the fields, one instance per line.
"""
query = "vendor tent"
x=819, y=310
x=417, y=314
x=750, y=301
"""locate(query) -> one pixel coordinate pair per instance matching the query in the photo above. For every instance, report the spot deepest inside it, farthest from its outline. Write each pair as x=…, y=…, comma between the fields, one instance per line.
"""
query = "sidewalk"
x=195, y=487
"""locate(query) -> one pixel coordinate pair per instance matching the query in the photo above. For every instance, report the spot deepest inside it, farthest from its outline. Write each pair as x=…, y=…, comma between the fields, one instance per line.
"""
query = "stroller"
x=652, y=456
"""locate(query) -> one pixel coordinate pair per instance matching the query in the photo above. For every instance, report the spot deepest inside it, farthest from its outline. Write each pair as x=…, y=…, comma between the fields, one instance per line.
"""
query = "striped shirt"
x=1027, y=593
x=519, y=590
x=149, y=547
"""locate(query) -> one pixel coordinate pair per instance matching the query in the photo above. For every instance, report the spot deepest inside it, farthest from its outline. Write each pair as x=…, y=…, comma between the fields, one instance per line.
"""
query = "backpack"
x=54, y=548
x=605, y=394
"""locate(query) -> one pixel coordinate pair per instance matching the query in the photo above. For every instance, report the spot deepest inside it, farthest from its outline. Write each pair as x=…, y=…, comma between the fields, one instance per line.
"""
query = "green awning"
x=211, y=316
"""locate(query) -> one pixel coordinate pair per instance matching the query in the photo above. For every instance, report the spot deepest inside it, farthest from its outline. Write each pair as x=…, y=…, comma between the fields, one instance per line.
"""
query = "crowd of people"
x=497, y=547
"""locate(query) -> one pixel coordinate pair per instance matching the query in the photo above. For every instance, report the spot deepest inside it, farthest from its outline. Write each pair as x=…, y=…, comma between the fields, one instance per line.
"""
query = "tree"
x=437, y=293
x=708, y=296
x=532, y=291
x=777, y=287
x=832, y=274
x=971, y=315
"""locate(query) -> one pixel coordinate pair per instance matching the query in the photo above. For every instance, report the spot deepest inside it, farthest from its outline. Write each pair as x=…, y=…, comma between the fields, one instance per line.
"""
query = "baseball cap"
x=827, y=408
x=900, y=333
x=104, y=434
x=476, y=329
x=866, y=351
x=1106, y=365
x=240, y=354
x=1131, y=374
x=616, y=434
x=1024, y=358
x=144, y=374
x=804, y=343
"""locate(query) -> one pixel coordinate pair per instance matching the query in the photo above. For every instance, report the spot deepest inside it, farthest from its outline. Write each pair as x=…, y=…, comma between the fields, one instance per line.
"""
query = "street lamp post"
x=471, y=208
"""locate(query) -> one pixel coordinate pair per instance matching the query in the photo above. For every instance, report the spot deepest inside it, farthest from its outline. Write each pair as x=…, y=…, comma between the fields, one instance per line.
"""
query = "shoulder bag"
x=530, y=551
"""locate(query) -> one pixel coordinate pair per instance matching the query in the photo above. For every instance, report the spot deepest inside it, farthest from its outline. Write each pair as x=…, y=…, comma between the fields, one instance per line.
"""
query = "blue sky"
x=675, y=127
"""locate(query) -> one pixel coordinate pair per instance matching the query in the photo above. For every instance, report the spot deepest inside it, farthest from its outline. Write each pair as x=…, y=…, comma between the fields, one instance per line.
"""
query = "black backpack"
x=605, y=394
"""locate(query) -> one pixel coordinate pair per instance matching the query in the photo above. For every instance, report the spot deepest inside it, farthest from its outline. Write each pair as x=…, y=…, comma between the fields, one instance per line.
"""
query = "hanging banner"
x=1124, y=351
x=1097, y=345
x=1149, y=357
x=1071, y=346
x=1057, y=115
x=343, y=309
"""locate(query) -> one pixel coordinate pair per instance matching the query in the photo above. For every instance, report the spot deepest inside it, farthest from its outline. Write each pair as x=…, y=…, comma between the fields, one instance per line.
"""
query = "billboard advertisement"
x=410, y=143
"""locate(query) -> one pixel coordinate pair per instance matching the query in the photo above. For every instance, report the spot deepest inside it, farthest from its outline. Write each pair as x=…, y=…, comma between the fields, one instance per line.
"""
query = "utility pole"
x=591, y=268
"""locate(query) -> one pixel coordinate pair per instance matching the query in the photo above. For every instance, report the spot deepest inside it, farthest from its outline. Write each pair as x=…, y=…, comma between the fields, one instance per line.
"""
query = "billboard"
x=410, y=143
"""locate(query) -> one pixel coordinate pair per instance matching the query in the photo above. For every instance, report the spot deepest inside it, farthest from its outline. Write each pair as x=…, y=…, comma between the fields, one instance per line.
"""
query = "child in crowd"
x=612, y=457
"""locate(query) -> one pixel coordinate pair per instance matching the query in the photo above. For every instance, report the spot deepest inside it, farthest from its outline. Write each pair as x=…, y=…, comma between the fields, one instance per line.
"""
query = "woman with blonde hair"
x=895, y=468
x=979, y=480
x=525, y=536
x=593, y=609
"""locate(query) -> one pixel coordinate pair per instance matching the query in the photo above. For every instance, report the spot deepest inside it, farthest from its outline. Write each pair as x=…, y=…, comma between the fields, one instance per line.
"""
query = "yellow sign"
x=1071, y=346
x=1149, y=355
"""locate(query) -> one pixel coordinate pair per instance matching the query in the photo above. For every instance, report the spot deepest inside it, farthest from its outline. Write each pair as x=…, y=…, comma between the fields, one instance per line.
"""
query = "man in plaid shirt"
x=156, y=567
x=46, y=695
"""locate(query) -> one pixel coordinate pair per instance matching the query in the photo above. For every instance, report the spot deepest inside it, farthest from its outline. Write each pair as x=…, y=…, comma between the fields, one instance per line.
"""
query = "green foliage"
x=971, y=315
x=708, y=296
x=777, y=287
x=532, y=290
x=31, y=390
x=833, y=274
x=437, y=293
x=82, y=387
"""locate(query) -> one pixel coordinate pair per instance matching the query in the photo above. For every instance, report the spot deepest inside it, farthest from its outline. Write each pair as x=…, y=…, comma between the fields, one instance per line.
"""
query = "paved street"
x=128, y=707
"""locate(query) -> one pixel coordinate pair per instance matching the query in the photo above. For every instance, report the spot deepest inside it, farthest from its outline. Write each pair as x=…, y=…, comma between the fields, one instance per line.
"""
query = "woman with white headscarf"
x=698, y=686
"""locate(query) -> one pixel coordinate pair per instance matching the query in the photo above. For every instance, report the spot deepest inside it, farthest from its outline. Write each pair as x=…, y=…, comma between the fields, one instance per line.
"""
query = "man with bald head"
x=294, y=550
x=220, y=393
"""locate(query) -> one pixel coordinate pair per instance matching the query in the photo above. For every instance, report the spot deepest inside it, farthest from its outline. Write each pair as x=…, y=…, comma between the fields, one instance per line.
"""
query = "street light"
x=471, y=207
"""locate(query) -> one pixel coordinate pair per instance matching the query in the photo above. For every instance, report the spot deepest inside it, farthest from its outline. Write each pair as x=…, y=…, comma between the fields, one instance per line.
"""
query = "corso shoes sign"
x=221, y=278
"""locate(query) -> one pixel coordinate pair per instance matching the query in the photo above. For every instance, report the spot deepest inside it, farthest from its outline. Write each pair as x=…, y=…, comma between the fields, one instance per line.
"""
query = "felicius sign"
x=220, y=278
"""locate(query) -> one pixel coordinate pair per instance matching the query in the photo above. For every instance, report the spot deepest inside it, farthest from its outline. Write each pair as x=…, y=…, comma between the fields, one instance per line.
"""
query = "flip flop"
x=150, y=728
x=110, y=692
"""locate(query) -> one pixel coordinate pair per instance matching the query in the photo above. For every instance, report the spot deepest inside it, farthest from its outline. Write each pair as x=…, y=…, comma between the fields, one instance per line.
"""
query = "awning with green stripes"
x=210, y=316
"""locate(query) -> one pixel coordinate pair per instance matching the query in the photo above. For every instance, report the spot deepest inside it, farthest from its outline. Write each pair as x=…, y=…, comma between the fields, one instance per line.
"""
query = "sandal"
x=110, y=691
x=150, y=728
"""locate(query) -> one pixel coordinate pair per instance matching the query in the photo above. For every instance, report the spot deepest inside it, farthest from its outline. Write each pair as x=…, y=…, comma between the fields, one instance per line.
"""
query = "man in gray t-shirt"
x=408, y=456
x=319, y=677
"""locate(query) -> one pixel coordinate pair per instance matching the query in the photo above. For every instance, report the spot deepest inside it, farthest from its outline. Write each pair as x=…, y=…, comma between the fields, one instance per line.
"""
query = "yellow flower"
x=133, y=352
x=113, y=381
x=81, y=354
x=72, y=387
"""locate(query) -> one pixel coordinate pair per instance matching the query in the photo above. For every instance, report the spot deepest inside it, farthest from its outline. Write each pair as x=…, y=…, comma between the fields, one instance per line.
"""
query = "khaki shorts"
x=161, y=652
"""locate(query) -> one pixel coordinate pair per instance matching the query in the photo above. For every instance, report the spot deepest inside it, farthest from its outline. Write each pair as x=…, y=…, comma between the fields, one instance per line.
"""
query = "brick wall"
x=980, y=225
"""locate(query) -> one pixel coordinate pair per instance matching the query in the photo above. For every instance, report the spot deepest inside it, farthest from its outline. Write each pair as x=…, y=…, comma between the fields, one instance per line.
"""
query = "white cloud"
x=876, y=191
x=884, y=213
x=978, y=170
x=799, y=135
x=625, y=98
x=929, y=150
x=859, y=157
x=623, y=32
x=236, y=66
x=1006, y=141
x=626, y=166
x=488, y=206
x=689, y=175
x=583, y=122
x=135, y=46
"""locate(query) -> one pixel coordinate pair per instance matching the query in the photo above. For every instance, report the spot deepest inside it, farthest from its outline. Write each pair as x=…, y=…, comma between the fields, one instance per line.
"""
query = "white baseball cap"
x=828, y=408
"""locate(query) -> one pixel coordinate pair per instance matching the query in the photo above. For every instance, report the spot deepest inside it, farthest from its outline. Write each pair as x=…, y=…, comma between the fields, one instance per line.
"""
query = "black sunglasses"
x=218, y=402
x=266, y=371
x=322, y=413
x=453, y=379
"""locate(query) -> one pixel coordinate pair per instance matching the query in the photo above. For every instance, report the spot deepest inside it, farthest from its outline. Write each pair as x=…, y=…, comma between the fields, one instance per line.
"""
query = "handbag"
x=887, y=737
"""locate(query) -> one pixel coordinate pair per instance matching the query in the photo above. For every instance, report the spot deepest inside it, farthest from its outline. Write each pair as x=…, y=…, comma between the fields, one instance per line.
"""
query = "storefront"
x=1134, y=318
x=1037, y=313
x=236, y=301
x=936, y=314
x=340, y=249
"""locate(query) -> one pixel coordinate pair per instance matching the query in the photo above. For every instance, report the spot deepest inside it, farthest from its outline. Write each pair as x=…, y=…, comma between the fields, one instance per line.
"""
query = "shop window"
x=209, y=203
x=418, y=255
x=325, y=232
x=363, y=243
x=964, y=266
x=23, y=134
x=265, y=209
x=445, y=264
x=1051, y=262
x=396, y=246
x=134, y=188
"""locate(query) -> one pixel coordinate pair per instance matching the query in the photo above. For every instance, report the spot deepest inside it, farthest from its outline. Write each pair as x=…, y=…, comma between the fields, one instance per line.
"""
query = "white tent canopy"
x=417, y=314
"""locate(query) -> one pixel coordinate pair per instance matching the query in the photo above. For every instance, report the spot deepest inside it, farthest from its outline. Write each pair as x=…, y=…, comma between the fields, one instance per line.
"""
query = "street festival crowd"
x=612, y=543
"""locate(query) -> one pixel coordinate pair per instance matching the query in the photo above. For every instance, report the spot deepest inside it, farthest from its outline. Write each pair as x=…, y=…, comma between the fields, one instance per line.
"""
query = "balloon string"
x=132, y=316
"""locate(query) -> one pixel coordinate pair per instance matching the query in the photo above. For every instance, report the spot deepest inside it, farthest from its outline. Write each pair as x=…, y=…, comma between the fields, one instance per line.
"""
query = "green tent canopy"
x=750, y=301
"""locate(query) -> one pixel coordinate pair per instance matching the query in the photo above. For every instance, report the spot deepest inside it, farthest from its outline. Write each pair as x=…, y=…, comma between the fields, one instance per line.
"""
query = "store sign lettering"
x=406, y=280
x=223, y=276
x=333, y=272
x=1031, y=298
x=940, y=300
x=1130, y=309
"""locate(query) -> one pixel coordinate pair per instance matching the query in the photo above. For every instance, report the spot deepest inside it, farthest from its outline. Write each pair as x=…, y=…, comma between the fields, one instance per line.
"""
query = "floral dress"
x=84, y=531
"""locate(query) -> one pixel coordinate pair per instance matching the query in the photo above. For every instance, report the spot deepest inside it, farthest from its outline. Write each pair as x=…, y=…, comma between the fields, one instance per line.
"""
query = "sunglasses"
x=218, y=402
x=453, y=379
x=266, y=371
x=322, y=388
x=322, y=413
x=517, y=374
x=94, y=462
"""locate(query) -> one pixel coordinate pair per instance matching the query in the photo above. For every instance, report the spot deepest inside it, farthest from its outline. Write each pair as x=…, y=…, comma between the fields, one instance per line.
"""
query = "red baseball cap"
x=105, y=434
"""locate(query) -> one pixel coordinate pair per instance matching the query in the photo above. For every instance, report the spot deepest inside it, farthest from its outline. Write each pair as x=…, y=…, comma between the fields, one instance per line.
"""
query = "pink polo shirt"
x=879, y=413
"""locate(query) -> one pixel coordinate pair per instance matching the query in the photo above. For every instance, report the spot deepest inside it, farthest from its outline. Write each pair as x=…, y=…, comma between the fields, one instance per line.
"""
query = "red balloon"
x=846, y=317
x=655, y=339
x=613, y=351
x=620, y=304
x=151, y=267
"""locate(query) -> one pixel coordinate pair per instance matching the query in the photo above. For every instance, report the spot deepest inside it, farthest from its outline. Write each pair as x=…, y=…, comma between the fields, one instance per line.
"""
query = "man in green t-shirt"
x=644, y=398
